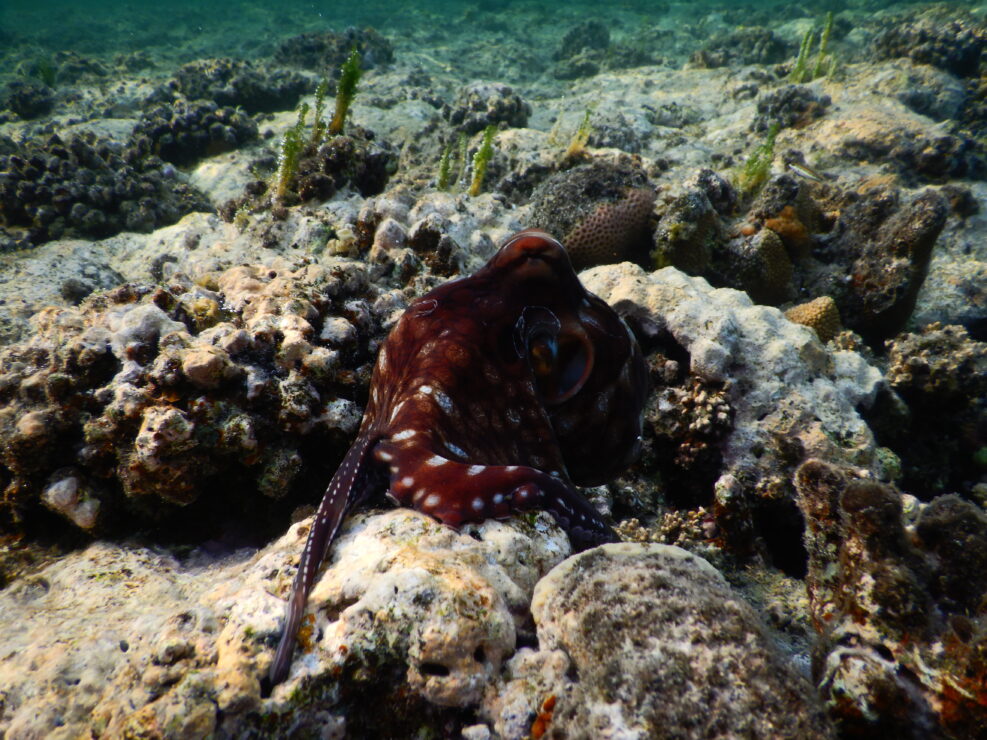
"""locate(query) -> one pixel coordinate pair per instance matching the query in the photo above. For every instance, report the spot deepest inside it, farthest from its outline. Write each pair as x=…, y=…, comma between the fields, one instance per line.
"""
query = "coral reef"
x=790, y=106
x=413, y=612
x=586, y=35
x=747, y=45
x=87, y=186
x=442, y=642
x=926, y=90
x=687, y=232
x=759, y=265
x=235, y=83
x=326, y=51
x=27, y=98
x=941, y=374
x=362, y=162
x=683, y=448
x=167, y=413
x=917, y=153
x=601, y=211
x=887, y=245
x=900, y=607
x=69, y=67
x=952, y=44
x=587, y=48
x=717, y=189
x=314, y=165
x=143, y=399
x=582, y=51
x=186, y=131
x=482, y=104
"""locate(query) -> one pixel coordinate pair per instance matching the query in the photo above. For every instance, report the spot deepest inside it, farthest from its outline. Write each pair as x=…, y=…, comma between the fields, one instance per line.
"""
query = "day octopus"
x=494, y=394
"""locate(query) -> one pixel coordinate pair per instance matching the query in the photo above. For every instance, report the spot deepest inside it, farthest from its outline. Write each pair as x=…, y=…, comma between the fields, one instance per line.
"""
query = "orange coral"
x=792, y=231
x=820, y=314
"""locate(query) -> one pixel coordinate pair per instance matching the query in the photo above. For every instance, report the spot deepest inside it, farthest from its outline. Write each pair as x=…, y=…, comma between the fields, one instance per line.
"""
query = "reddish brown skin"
x=494, y=394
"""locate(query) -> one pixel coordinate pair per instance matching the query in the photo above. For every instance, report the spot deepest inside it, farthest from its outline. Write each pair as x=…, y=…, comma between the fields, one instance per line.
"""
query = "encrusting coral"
x=481, y=104
x=186, y=131
x=235, y=82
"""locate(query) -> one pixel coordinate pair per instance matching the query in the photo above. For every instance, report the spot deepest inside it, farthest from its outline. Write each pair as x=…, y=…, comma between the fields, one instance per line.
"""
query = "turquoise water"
x=183, y=28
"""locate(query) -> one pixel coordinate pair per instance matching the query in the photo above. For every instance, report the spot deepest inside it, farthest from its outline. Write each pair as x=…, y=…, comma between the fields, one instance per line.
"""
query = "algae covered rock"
x=688, y=231
x=940, y=372
x=890, y=243
x=952, y=44
x=900, y=606
x=655, y=638
x=326, y=51
x=27, y=98
x=744, y=45
x=186, y=131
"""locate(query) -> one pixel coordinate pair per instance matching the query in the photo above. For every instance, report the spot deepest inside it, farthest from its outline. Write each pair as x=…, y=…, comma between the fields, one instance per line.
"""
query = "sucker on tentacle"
x=494, y=394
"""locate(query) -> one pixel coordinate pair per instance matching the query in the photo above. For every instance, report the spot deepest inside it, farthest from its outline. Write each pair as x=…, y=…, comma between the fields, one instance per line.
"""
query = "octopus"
x=494, y=394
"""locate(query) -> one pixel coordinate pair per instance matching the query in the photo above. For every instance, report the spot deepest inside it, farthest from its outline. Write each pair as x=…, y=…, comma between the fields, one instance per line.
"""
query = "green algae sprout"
x=577, y=144
x=481, y=159
x=292, y=144
x=825, y=61
x=464, y=144
x=757, y=167
x=445, y=167
x=46, y=72
x=319, y=124
x=452, y=162
x=345, y=91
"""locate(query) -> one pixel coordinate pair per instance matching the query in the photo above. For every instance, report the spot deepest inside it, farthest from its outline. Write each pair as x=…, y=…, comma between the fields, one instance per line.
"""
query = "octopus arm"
x=456, y=492
x=346, y=489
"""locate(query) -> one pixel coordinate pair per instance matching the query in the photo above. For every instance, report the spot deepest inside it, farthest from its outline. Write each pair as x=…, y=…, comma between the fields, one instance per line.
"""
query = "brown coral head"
x=612, y=232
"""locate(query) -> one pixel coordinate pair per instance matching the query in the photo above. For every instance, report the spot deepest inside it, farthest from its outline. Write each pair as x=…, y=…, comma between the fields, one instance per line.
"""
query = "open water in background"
x=248, y=28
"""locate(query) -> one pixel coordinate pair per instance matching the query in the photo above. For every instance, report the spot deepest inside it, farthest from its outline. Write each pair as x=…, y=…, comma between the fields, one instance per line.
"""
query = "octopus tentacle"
x=345, y=490
x=420, y=476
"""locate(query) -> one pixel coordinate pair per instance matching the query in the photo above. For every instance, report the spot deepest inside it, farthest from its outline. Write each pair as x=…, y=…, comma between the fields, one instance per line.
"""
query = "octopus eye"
x=561, y=366
x=541, y=354
x=559, y=354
